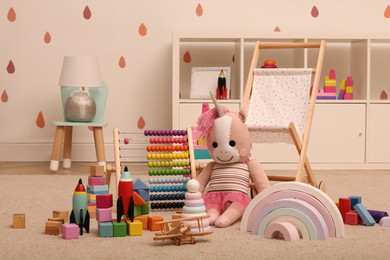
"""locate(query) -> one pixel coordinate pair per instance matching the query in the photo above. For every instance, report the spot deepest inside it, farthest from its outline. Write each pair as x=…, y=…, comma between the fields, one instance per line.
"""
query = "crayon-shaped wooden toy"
x=80, y=214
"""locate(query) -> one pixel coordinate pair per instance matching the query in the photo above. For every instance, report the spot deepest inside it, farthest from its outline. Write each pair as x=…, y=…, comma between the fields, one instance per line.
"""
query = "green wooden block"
x=105, y=229
x=145, y=209
x=137, y=211
x=120, y=229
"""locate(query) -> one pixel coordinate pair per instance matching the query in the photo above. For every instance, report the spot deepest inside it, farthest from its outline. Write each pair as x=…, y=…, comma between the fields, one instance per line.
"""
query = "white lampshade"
x=80, y=71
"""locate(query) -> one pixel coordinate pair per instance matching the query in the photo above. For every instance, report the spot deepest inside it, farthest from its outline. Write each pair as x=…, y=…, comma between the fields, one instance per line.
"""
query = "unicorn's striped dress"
x=229, y=177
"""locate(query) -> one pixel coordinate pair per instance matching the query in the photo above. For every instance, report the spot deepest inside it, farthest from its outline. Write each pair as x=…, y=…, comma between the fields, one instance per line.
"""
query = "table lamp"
x=83, y=72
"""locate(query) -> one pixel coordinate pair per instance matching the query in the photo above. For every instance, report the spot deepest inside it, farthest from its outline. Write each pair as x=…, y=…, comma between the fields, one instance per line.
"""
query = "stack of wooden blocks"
x=96, y=185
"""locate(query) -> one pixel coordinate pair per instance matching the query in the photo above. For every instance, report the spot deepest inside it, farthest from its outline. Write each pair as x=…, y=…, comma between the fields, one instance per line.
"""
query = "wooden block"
x=104, y=215
x=92, y=211
x=355, y=200
x=19, y=221
x=105, y=229
x=120, y=229
x=368, y=220
x=104, y=201
x=64, y=214
x=57, y=220
x=70, y=231
x=144, y=220
x=134, y=228
x=145, y=209
x=96, y=171
x=91, y=197
x=96, y=180
x=344, y=206
x=351, y=218
x=53, y=228
x=137, y=210
x=152, y=220
x=176, y=215
x=384, y=222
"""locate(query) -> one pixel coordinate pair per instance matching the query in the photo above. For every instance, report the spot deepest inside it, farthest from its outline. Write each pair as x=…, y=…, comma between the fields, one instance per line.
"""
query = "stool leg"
x=55, y=157
x=99, y=146
x=67, y=160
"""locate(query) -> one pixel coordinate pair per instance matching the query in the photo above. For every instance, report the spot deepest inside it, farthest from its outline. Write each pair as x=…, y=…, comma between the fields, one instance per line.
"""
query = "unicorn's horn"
x=221, y=113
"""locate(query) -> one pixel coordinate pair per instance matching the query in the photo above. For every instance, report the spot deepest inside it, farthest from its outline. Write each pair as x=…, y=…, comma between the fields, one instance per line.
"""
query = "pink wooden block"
x=96, y=180
x=287, y=230
x=104, y=201
x=104, y=215
x=70, y=231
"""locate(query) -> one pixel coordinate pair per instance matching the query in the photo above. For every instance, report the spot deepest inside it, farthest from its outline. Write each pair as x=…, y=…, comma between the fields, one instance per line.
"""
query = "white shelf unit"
x=346, y=134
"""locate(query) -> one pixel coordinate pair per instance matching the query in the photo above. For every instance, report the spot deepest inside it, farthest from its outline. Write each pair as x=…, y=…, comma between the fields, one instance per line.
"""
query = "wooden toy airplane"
x=181, y=230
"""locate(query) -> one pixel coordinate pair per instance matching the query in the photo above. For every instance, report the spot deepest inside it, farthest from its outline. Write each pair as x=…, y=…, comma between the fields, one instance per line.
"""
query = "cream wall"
x=141, y=88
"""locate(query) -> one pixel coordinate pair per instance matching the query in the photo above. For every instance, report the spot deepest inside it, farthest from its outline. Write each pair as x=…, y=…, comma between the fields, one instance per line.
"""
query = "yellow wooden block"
x=91, y=197
x=349, y=89
x=19, y=221
x=64, y=214
x=144, y=220
x=134, y=228
x=92, y=211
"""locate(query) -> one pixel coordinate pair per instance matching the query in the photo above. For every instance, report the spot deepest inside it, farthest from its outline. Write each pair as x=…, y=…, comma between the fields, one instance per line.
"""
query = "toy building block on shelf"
x=329, y=90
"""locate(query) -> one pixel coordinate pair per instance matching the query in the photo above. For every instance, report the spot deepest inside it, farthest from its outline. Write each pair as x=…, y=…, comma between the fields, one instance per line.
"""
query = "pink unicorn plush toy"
x=231, y=170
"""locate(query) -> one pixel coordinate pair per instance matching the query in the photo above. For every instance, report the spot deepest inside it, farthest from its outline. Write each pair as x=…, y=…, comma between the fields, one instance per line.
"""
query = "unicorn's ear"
x=242, y=114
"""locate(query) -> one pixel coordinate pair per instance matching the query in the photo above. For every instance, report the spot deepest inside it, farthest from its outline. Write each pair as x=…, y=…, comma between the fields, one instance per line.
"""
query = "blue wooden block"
x=105, y=229
x=355, y=200
x=202, y=154
x=144, y=194
x=368, y=220
x=140, y=185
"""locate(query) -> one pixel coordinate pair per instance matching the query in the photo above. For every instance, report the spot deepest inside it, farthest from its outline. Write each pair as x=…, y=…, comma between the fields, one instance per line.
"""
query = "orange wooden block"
x=152, y=220
x=64, y=214
x=144, y=219
x=96, y=170
x=19, y=221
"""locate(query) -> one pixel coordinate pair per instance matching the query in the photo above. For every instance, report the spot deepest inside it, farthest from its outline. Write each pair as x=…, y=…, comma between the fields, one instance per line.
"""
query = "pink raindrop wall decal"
x=40, y=120
x=47, y=38
x=87, y=13
x=122, y=62
x=187, y=57
x=10, y=67
x=142, y=30
x=277, y=29
x=141, y=122
x=314, y=11
x=199, y=10
x=11, y=16
x=387, y=12
x=383, y=95
x=4, y=96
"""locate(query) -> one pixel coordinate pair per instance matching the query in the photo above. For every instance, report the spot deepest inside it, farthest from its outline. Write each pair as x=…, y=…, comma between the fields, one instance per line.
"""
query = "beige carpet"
x=38, y=195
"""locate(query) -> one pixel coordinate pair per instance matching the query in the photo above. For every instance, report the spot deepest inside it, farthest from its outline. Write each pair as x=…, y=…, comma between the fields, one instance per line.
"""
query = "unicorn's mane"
x=206, y=120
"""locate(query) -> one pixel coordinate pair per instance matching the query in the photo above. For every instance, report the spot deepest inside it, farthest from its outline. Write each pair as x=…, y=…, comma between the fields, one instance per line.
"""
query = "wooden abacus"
x=169, y=157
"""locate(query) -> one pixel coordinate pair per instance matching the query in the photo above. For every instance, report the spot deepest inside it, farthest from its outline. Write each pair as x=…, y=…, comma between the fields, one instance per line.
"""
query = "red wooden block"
x=104, y=201
x=351, y=218
x=344, y=206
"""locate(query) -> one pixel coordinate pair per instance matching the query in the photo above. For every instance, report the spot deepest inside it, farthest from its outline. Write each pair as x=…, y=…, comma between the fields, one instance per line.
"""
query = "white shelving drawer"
x=338, y=134
x=379, y=140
